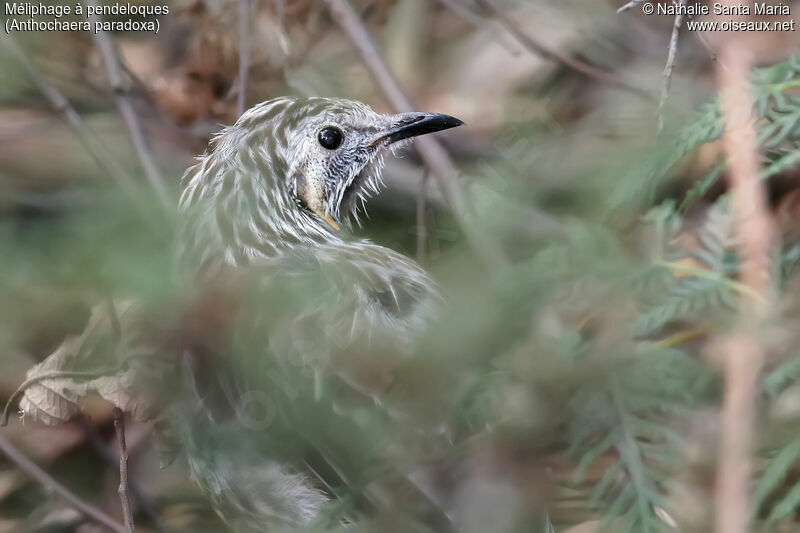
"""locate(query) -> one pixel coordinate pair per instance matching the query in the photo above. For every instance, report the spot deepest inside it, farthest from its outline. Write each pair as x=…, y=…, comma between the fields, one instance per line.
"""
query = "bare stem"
x=542, y=49
x=35, y=472
x=93, y=145
x=461, y=10
x=119, y=428
x=742, y=352
x=672, y=54
x=629, y=5
x=109, y=52
x=434, y=155
x=142, y=503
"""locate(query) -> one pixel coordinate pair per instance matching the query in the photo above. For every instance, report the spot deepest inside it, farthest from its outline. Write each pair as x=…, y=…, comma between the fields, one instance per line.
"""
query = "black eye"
x=330, y=138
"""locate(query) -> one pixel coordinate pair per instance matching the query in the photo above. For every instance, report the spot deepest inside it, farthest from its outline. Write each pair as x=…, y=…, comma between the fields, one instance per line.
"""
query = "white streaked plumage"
x=267, y=196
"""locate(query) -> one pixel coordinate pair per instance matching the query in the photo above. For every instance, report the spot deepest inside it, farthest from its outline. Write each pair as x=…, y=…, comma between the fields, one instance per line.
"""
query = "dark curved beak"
x=407, y=125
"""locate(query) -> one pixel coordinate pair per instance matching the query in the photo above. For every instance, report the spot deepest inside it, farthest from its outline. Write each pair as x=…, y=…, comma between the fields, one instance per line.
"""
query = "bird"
x=274, y=200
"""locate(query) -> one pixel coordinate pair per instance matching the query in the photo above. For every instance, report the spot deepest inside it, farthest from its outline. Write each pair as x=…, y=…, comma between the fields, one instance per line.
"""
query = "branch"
x=94, y=146
x=244, y=54
x=434, y=155
x=62, y=106
x=35, y=472
x=96, y=441
x=126, y=109
x=122, y=490
x=458, y=7
x=671, y=55
x=538, y=47
x=742, y=352
x=629, y=5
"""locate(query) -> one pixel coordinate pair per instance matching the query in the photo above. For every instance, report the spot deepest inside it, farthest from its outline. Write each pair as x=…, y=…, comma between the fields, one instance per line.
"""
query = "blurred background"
x=570, y=386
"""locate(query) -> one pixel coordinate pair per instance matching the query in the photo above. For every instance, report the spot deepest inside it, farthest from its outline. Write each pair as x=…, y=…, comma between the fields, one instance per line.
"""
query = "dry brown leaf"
x=121, y=391
x=102, y=361
x=55, y=400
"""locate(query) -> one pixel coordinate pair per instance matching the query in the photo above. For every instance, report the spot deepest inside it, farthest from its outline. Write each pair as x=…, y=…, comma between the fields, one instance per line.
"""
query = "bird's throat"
x=327, y=218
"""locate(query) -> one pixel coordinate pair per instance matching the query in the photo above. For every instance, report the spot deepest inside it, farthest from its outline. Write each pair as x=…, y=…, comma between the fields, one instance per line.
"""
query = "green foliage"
x=591, y=339
x=627, y=417
x=687, y=298
x=779, y=129
x=682, y=292
x=641, y=183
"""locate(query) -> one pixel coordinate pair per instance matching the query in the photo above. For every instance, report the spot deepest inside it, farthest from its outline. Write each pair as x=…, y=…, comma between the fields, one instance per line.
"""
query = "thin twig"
x=119, y=428
x=109, y=52
x=742, y=353
x=434, y=155
x=244, y=54
x=94, y=146
x=460, y=9
x=671, y=56
x=538, y=47
x=422, y=229
x=143, y=504
x=34, y=471
x=629, y=5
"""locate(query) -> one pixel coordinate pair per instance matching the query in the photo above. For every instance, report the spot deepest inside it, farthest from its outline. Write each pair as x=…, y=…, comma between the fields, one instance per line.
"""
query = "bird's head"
x=336, y=153
x=304, y=162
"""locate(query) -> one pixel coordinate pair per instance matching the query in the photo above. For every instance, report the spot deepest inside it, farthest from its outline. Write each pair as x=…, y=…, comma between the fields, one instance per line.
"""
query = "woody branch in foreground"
x=741, y=352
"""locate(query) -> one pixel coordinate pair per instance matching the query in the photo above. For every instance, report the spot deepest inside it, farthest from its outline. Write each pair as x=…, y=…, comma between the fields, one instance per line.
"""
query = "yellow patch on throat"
x=311, y=191
x=324, y=216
